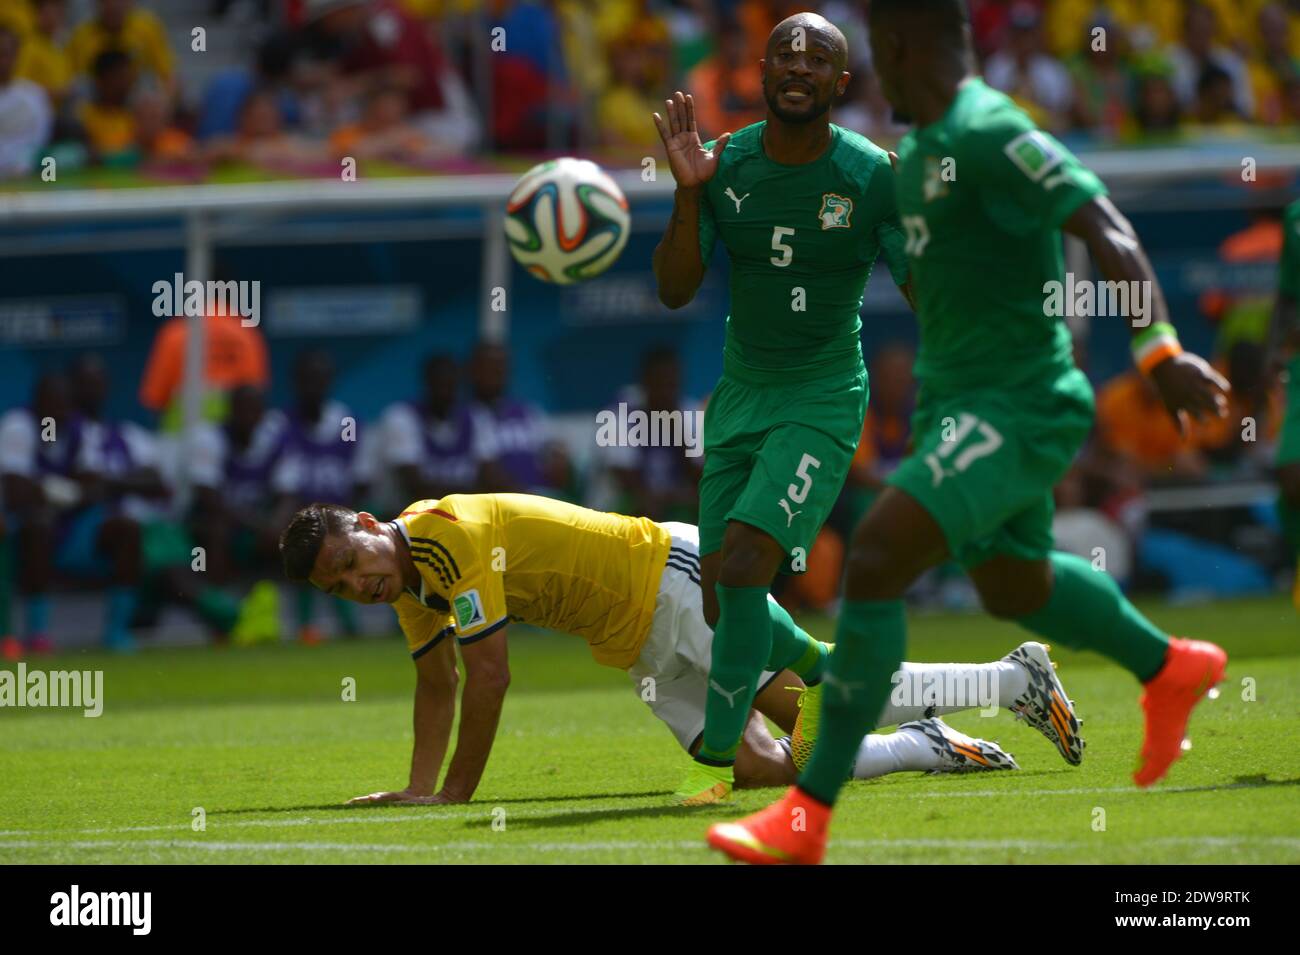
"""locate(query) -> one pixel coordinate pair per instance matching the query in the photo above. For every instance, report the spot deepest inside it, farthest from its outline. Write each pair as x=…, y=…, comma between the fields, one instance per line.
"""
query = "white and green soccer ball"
x=566, y=221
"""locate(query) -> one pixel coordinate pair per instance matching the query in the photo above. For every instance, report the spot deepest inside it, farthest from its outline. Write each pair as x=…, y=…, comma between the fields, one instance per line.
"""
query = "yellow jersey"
x=43, y=61
x=143, y=37
x=487, y=559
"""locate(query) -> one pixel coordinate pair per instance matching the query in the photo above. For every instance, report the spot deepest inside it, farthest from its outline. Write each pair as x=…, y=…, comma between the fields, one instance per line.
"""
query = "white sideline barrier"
x=317, y=195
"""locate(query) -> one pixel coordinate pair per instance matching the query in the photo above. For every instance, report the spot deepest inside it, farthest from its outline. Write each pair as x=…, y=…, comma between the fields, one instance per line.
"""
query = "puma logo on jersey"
x=935, y=185
x=789, y=516
x=730, y=696
x=732, y=196
x=835, y=211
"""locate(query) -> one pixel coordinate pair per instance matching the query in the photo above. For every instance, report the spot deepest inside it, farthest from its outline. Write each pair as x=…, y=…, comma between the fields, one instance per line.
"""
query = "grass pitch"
x=263, y=743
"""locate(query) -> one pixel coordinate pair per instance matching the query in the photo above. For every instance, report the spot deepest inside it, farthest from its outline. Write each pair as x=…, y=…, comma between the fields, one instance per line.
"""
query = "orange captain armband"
x=1154, y=345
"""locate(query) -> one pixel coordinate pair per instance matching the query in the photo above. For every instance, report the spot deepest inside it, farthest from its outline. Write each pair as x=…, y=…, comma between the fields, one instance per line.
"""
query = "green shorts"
x=776, y=457
x=1288, y=442
x=984, y=464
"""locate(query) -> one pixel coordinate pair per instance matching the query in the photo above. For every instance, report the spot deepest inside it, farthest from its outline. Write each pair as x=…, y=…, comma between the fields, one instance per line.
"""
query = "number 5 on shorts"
x=799, y=494
x=966, y=423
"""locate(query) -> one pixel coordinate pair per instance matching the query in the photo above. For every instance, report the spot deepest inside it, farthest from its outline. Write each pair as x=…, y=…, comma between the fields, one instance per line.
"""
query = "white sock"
x=921, y=690
x=898, y=752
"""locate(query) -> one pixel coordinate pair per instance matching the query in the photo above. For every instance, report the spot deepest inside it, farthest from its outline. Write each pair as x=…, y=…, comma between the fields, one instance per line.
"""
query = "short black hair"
x=944, y=18
x=108, y=61
x=301, y=541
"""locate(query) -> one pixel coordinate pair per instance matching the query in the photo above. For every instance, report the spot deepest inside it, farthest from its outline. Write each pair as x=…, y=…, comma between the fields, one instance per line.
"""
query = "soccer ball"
x=566, y=221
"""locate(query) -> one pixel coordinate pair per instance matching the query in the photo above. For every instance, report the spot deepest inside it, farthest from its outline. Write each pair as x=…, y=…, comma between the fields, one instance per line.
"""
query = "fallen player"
x=459, y=569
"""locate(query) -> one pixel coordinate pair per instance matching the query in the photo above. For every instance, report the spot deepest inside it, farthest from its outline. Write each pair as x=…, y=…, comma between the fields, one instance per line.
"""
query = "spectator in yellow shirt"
x=107, y=125
x=17, y=16
x=1274, y=65
x=638, y=64
x=119, y=24
x=43, y=59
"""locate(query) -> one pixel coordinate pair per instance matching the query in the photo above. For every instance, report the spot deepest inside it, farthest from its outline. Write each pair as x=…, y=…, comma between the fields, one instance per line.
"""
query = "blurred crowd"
x=297, y=85
x=168, y=515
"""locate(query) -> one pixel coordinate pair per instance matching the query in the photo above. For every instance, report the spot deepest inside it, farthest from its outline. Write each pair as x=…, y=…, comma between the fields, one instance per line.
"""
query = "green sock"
x=742, y=642
x=793, y=649
x=1087, y=611
x=869, y=642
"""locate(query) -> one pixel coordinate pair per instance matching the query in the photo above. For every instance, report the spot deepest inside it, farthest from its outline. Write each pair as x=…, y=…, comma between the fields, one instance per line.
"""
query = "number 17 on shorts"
x=946, y=460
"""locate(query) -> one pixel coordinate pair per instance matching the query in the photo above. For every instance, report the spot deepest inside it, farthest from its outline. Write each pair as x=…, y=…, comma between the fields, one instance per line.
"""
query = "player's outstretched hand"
x=1189, y=386
x=405, y=797
x=691, y=163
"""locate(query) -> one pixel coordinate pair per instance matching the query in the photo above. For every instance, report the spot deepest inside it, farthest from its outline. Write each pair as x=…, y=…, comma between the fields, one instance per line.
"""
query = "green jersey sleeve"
x=1288, y=279
x=1029, y=181
x=883, y=202
x=892, y=241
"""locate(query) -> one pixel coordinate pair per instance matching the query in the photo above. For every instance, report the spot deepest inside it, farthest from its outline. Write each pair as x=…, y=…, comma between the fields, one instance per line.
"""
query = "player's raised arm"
x=1186, y=382
x=678, y=262
x=487, y=677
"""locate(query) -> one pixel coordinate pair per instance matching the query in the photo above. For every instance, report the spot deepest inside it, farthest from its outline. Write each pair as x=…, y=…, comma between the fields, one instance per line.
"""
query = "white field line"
x=484, y=810
x=1027, y=845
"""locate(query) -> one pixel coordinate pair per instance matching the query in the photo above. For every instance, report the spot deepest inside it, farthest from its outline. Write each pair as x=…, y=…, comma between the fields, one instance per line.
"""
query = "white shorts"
x=672, y=673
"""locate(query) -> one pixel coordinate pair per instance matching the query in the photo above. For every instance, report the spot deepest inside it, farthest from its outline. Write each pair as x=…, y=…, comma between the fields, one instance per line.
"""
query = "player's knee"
x=750, y=560
x=871, y=574
x=1011, y=598
x=1006, y=606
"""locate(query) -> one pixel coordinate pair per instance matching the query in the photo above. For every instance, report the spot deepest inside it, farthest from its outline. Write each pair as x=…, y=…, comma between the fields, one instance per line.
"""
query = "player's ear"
x=843, y=84
x=367, y=521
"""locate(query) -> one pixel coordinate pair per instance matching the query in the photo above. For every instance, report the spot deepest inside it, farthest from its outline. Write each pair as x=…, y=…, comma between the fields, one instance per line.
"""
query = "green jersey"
x=802, y=241
x=982, y=195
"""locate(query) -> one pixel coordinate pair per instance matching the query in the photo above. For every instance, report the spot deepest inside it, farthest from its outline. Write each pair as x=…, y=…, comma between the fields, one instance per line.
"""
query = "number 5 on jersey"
x=787, y=253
